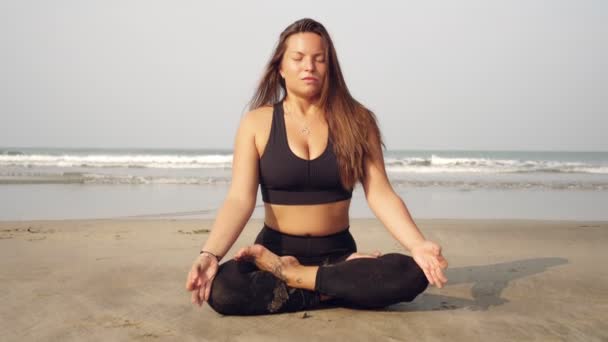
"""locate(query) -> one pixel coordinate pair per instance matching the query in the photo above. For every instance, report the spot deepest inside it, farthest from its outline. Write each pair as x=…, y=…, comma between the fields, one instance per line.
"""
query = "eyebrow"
x=302, y=53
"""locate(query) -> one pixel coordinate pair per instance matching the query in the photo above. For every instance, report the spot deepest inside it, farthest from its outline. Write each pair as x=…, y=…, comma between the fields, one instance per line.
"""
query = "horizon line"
x=231, y=149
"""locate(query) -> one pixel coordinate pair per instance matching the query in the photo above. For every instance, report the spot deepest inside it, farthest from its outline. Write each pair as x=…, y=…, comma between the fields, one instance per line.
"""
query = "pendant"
x=305, y=130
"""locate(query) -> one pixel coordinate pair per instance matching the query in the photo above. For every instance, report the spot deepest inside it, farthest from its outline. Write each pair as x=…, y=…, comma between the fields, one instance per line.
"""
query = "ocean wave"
x=87, y=178
x=504, y=185
x=11, y=153
x=105, y=179
x=399, y=164
x=118, y=161
x=436, y=164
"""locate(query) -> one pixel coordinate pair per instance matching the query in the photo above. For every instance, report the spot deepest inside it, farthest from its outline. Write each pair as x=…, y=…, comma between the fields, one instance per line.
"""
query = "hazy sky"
x=505, y=75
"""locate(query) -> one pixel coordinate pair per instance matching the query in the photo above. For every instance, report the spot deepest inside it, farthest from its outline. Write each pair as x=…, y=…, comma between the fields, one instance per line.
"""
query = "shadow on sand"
x=488, y=283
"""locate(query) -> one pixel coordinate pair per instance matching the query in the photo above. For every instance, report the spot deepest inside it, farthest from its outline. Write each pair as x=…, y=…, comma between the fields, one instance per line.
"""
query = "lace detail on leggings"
x=280, y=296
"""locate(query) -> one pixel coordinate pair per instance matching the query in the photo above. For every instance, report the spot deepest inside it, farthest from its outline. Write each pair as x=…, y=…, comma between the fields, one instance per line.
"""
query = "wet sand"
x=117, y=280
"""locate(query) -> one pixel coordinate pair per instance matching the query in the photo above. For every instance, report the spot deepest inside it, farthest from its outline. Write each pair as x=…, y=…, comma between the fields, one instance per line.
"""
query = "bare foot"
x=357, y=255
x=266, y=260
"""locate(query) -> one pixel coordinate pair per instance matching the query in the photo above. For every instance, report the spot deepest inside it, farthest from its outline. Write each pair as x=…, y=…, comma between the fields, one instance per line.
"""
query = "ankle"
x=293, y=275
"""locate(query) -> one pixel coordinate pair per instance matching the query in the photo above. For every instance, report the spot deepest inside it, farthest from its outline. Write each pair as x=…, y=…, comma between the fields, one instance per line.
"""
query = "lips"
x=310, y=79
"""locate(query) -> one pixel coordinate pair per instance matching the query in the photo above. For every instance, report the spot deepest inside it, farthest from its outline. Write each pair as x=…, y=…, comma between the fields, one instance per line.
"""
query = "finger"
x=438, y=250
x=427, y=273
x=434, y=267
x=199, y=281
x=199, y=294
x=190, y=282
x=194, y=274
x=442, y=276
x=441, y=265
x=435, y=277
x=194, y=299
x=207, y=291
x=439, y=273
x=240, y=253
x=444, y=263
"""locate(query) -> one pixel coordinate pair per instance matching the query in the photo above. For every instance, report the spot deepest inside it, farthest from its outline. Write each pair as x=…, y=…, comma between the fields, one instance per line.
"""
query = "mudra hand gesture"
x=201, y=277
x=427, y=255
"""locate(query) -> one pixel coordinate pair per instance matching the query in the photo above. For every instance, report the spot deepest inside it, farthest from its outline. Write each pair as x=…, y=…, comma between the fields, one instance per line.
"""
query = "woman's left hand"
x=427, y=255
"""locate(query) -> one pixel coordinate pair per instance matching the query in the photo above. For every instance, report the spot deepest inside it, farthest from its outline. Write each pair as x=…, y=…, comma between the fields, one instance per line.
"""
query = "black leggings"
x=240, y=288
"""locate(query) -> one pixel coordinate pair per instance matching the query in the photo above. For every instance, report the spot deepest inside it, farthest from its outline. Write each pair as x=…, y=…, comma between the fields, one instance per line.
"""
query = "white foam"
x=119, y=161
x=436, y=164
x=432, y=164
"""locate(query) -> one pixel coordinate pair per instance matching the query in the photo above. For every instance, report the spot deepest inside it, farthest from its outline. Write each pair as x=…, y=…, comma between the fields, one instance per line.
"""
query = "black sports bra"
x=286, y=178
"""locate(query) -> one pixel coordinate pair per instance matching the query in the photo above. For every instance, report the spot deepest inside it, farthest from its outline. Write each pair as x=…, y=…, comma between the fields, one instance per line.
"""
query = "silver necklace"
x=305, y=129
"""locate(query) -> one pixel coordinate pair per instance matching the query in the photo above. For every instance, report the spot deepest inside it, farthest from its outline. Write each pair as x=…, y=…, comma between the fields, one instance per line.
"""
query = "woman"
x=307, y=150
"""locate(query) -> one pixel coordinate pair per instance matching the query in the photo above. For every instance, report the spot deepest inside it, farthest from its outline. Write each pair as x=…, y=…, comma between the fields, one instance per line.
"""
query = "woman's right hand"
x=201, y=277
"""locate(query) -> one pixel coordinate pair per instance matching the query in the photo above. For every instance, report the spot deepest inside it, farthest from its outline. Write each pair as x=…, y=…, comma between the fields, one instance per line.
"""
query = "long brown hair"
x=350, y=123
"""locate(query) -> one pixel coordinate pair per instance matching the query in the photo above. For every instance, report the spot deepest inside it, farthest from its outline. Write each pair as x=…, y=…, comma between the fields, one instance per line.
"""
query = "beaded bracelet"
x=216, y=257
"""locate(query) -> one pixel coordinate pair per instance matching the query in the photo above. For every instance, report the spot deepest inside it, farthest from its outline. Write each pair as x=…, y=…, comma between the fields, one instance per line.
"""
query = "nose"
x=309, y=65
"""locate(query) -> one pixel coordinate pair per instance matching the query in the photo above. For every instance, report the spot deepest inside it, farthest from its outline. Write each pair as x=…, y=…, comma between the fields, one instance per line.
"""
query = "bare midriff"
x=308, y=220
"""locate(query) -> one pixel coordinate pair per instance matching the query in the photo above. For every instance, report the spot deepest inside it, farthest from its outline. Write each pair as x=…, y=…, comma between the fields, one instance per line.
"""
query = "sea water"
x=62, y=183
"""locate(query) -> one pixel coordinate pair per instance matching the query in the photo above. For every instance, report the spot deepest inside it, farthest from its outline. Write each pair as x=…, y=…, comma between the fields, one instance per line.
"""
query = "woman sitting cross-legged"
x=307, y=142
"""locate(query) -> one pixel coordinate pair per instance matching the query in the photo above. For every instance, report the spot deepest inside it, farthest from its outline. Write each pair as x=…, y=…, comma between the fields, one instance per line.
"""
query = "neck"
x=302, y=107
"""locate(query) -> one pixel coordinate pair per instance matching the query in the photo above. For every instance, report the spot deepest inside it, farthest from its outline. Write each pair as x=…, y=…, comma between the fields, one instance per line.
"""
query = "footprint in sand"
x=37, y=239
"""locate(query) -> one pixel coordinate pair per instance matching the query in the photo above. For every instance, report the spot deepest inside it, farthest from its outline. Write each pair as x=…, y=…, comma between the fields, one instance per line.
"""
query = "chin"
x=311, y=92
x=308, y=93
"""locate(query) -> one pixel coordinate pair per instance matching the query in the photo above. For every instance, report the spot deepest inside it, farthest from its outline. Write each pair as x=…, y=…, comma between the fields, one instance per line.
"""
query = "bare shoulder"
x=259, y=122
x=245, y=181
x=260, y=117
x=253, y=121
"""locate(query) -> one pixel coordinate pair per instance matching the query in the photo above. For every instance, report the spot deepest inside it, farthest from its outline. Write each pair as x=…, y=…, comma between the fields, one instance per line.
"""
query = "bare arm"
x=241, y=198
x=385, y=203
x=393, y=213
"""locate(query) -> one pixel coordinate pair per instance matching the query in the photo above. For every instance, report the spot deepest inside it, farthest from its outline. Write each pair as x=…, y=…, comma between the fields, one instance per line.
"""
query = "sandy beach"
x=118, y=280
